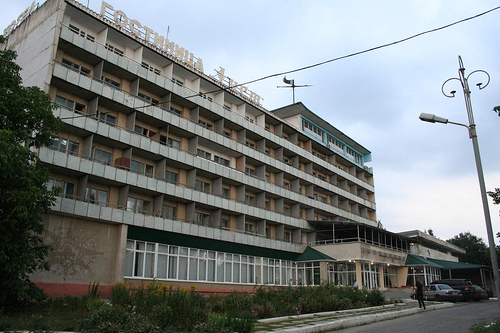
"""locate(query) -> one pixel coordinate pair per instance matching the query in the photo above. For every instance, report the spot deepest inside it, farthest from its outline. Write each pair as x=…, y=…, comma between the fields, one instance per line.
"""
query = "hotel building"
x=172, y=174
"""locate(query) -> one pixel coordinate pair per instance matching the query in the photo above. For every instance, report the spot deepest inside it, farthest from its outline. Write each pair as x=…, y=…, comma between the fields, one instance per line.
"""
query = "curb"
x=359, y=320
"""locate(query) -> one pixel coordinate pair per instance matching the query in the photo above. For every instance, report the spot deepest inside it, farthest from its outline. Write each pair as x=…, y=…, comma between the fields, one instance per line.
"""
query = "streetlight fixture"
x=473, y=136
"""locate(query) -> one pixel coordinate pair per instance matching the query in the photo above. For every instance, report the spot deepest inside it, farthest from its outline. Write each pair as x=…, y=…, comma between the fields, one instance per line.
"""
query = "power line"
x=323, y=62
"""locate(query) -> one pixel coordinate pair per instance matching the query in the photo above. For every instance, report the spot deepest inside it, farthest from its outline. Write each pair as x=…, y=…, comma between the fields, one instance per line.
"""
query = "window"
x=172, y=143
x=64, y=145
x=115, y=50
x=221, y=160
x=97, y=196
x=75, y=67
x=250, y=228
x=140, y=130
x=250, y=171
x=224, y=223
x=111, y=83
x=177, y=82
x=106, y=118
x=101, y=156
x=202, y=186
x=201, y=218
x=175, y=110
x=82, y=33
x=67, y=188
x=250, y=144
x=226, y=192
x=205, y=124
x=250, y=200
x=170, y=262
x=138, y=205
x=313, y=129
x=151, y=68
x=171, y=176
x=141, y=168
x=204, y=154
x=69, y=104
x=148, y=98
x=288, y=237
x=333, y=143
x=169, y=212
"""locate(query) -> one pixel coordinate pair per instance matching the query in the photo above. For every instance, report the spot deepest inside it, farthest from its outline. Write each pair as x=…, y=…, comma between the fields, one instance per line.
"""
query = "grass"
x=486, y=327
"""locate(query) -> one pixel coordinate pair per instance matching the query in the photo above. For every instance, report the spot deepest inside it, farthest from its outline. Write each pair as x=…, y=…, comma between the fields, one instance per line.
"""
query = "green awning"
x=171, y=238
x=413, y=260
x=311, y=254
x=456, y=265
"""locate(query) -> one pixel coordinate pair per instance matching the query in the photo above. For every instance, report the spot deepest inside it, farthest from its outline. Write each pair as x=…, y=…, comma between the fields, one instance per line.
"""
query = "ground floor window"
x=169, y=262
x=424, y=274
x=390, y=276
x=342, y=273
x=370, y=274
x=308, y=274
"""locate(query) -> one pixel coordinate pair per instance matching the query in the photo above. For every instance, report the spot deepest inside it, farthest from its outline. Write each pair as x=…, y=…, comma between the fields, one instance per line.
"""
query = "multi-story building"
x=170, y=173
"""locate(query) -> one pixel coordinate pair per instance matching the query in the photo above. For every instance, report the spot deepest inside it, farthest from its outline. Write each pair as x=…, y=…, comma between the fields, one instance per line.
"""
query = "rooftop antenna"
x=293, y=86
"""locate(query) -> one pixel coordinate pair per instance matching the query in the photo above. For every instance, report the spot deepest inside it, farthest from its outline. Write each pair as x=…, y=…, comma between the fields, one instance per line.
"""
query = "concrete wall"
x=84, y=251
x=34, y=40
x=423, y=251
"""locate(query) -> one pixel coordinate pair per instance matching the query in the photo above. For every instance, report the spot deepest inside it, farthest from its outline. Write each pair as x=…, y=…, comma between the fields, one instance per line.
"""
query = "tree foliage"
x=26, y=122
x=476, y=250
x=497, y=110
x=495, y=195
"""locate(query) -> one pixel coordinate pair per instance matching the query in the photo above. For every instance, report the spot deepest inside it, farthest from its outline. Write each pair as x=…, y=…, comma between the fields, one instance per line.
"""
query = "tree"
x=495, y=195
x=476, y=250
x=497, y=110
x=26, y=122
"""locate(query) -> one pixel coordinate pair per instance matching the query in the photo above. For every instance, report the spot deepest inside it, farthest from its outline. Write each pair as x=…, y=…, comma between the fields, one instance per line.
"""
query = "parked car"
x=442, y=292
x=478, y=293
x=464, y=285
x=489, y=291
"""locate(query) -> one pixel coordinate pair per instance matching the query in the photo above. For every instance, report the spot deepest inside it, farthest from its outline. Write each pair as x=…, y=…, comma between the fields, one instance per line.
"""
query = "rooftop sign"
x=14, y=24
x=179, y=53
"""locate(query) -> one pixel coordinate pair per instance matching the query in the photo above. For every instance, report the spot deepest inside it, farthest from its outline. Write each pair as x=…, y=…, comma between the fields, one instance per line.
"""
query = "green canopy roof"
x=311, y=254
x=456, y=265
x=413, y=260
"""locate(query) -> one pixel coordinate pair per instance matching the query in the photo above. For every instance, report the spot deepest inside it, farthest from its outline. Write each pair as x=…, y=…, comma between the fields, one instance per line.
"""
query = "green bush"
x=120, y=295
x=375, y=298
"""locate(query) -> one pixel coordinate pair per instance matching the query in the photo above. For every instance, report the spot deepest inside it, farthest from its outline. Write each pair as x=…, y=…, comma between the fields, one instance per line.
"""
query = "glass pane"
x=162, y=266
x=129, y=261
x=172, y=267
x=183, y=268
x=150, y=264
x=139, y=264
x=202, y=273
x=193, y=269
x=211, y=270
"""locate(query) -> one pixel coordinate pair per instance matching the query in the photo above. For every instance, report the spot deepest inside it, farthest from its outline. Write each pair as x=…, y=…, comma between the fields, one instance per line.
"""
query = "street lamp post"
x=473, y=135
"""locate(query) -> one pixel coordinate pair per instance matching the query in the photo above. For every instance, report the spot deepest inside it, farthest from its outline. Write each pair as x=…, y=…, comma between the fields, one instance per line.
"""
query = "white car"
x=441, y=292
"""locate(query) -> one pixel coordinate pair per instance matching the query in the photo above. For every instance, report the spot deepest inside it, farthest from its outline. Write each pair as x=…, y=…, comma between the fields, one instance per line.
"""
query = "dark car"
x=489, y=291
x=478, y=293
x=464, y=285
x=442, y=292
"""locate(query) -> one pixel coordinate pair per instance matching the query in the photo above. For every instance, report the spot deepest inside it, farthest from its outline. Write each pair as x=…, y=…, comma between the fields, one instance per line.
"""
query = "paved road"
x=457, y=319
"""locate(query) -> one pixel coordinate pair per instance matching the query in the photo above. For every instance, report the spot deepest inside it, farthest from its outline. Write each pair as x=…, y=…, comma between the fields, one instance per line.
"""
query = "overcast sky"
x=425, y=174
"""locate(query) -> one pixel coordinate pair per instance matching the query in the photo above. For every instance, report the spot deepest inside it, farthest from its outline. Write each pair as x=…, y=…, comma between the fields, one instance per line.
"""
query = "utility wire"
x=323, y=62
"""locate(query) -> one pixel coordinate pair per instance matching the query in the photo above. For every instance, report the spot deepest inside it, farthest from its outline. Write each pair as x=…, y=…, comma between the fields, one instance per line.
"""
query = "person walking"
x=419, y=294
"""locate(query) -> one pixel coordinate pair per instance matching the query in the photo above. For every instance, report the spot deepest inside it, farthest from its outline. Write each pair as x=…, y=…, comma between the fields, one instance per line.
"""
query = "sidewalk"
x=327, y=321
